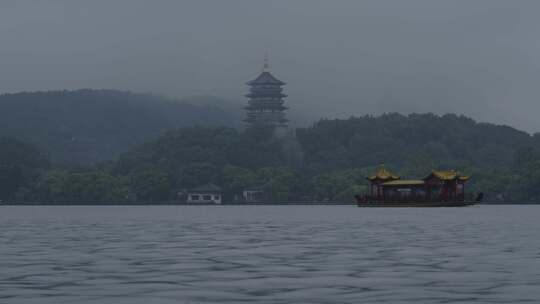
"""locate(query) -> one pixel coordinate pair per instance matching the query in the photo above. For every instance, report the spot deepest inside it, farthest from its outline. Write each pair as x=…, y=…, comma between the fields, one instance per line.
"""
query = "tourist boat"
x=438, y=189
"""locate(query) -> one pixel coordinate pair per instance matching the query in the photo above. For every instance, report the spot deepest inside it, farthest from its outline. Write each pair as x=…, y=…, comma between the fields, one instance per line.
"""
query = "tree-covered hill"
x=341, y=152
x=330, y=159
x=86, y=126
x=327, y=161
x=398, y=140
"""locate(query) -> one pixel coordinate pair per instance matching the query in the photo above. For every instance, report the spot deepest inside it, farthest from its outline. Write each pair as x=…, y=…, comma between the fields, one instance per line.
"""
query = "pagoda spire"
x=266, y=66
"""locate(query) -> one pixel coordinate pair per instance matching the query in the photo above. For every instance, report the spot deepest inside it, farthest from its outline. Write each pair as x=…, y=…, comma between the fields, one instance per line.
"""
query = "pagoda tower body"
x=265, y=106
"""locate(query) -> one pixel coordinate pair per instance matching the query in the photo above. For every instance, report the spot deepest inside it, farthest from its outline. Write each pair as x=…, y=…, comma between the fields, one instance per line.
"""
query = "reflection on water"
x=269, y=254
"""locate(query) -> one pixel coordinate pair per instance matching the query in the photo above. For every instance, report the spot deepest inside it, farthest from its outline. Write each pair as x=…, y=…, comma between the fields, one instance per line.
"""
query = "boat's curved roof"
x=383, y=174
x=447, y=175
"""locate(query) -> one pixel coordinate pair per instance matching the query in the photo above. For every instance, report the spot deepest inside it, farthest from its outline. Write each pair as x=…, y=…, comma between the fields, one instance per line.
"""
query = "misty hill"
x=85, y=126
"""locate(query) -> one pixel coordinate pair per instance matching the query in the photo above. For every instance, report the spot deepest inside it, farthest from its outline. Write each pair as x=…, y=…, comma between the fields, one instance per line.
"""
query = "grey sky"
x=339, y=58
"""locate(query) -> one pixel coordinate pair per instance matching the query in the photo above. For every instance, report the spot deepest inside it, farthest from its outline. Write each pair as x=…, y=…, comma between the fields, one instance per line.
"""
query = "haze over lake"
x=269, y=254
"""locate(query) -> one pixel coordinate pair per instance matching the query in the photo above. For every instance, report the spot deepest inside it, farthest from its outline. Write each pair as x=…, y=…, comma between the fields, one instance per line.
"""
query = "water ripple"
x=267, y=254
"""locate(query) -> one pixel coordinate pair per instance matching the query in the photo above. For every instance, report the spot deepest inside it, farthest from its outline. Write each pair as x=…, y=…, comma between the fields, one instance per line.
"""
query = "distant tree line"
x=326, y=161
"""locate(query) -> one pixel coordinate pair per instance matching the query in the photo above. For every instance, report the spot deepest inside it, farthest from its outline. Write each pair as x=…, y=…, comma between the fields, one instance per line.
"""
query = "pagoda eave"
x=256, y=121
x=255, y=95
x=255, y=108
x=265, y=78
x=271, y=83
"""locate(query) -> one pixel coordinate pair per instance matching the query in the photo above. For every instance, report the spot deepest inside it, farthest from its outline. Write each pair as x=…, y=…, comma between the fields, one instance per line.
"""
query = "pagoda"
x=265, y=106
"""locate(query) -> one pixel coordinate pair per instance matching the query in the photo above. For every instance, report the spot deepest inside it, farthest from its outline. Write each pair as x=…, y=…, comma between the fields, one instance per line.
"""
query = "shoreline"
x=228, y=204
x=181, y=204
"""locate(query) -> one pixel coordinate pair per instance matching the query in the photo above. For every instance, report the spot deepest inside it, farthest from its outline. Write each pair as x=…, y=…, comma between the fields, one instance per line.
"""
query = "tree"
x=64, y=187
x=150, y=185
x=20, y=165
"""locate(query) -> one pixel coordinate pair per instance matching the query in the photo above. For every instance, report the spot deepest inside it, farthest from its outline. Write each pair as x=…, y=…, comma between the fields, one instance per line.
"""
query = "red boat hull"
x=416, y=204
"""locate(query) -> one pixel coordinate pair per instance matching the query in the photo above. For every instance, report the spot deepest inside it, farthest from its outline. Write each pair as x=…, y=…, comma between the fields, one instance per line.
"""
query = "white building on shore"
x=204, y=194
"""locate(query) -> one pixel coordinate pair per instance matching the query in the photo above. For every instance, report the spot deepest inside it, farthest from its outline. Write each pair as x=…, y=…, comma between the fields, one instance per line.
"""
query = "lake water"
x=269, y=254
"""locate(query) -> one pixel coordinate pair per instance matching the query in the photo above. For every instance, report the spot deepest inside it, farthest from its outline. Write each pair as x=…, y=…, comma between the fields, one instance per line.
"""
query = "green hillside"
x=425, y=140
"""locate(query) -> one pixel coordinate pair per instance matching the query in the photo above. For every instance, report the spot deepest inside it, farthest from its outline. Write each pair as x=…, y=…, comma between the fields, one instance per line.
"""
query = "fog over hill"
x=479, y=58
x=86, y=126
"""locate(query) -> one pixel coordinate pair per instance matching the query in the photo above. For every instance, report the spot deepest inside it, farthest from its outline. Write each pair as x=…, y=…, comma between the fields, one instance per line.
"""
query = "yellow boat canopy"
x=447, y=175
x=383, y=174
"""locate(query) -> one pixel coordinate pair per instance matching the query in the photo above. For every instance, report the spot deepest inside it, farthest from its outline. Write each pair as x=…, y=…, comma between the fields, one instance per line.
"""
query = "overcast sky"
x=340, y=58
